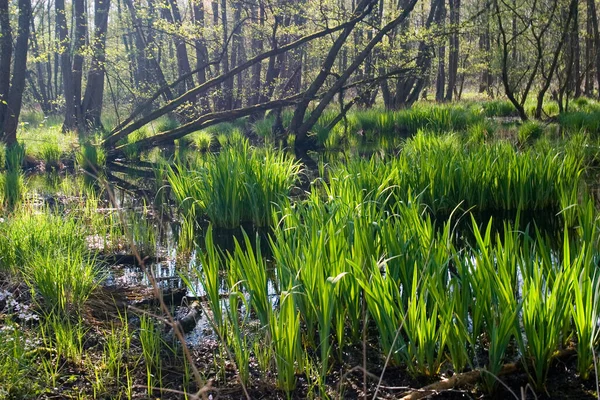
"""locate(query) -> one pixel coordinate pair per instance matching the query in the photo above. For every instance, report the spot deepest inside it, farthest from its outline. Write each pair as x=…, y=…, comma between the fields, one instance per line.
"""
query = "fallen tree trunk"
x=471, y=378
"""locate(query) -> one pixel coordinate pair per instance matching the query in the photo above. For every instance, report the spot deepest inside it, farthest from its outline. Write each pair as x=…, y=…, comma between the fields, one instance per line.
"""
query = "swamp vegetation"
x=299, y=199
x=463, y=253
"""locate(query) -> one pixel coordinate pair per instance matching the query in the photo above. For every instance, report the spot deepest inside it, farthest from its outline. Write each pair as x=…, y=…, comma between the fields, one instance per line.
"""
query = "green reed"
x=237, y=185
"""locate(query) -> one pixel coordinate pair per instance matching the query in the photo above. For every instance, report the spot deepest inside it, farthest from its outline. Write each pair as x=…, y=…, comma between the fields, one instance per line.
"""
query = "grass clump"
x=91, y=158
x=580, y=121
x=18, y=369
x=529, y=132
x=50, y=253
x=480, y=132
x=202, y=140
x=499, y=108
x=447, y=174
x=237, y=185
x=51, y=155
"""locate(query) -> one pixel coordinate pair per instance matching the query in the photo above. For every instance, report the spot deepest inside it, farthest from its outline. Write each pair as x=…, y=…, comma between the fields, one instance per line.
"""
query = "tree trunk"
x=441, y=76
x=201, y=49
x=576, y=51
x=94, y=91
x=589, y=54
x=42, y=94
x=80, y=18
x=64, y=46
x=594, y=16
x=5, y=60
x=556, y=56
x=302, y=131
x=258, y=16
x=147, y=60
x=228, y=84
x=363, y=8
x=183, y=62
x=17, y=84
x=454, y=47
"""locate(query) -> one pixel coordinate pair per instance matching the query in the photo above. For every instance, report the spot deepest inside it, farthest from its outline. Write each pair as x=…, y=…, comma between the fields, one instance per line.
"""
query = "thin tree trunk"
x=5, y=60
x=228, y=84
x=183, y=62
x=17, y=84
x=454, y=47
x=201, y=49
x=80, y=18
x=94, y=91
x=64, y=46
x=42, y=95
x=594, y=16
x=576, y=54
x=441, y=76
x=589, y=54
x=258, y=17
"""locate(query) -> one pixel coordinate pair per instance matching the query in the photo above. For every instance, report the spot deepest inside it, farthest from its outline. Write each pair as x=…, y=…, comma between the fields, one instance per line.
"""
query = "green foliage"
x=202, y=140
x=12, y=185
x=234, y=186
x=580, y=121
x=480, y=132
x=499, y=108
x=447, y=174
x=529, y=132
x=15, y=155
x=151, y=343
x=51, y=154
x=18, y=369
x=91, y=158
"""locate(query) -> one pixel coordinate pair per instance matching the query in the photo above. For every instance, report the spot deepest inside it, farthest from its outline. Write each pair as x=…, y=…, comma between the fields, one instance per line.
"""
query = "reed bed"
x=446, y=174
x=237, y=185
x=430, y=304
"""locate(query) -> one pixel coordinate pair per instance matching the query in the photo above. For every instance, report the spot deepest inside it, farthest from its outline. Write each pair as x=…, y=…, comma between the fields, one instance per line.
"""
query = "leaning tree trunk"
x=94, y=90
x=363, y=8
x=17, y=84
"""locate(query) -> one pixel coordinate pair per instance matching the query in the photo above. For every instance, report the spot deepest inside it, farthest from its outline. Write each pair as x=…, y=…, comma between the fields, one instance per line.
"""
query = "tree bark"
x=201, y=49
x=17, y=84
x=183, y=62
x=363, y=8
x=594, y=17
x=64, y=46
x=5, y=60
x=80, y=18
x=441, y=76
x=94, y=91
x=301, y=132
x=454, y=47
